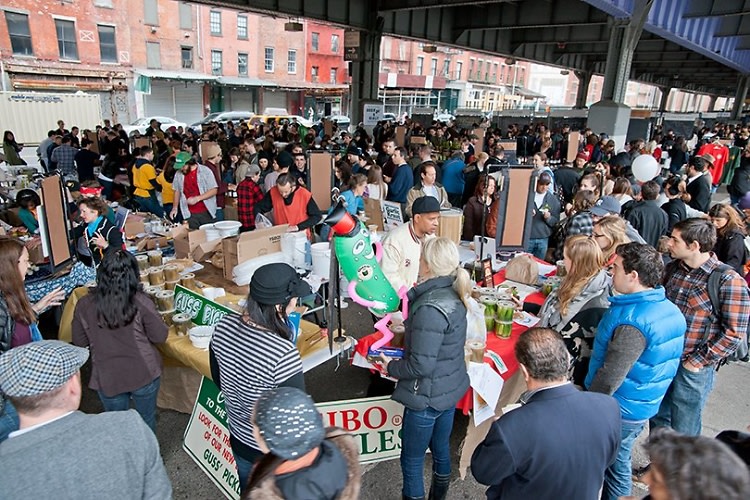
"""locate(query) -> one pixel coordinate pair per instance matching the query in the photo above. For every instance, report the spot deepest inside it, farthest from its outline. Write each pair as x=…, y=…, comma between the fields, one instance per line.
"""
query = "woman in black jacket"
x=99, y=234
x=730, y=237
x=432, y=375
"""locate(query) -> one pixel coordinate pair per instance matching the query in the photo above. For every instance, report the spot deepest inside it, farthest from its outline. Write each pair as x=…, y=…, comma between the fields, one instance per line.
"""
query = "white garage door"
x=240, y=100
x=189, y=101
x=274, y=99
x=160, y=102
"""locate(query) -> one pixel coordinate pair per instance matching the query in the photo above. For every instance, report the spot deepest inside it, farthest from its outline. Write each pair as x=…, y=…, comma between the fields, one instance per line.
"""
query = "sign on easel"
x=392, y=214
x=202, y=311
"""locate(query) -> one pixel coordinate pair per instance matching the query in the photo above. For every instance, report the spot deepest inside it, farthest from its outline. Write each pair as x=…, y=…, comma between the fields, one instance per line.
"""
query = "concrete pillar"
x=664, y=98
x=739, y=98
x=712, y=103
x=584, y=79
x=366, y=71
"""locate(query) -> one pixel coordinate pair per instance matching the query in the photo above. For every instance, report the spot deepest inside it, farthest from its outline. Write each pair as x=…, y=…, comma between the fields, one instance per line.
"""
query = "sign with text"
x=204, y=312
x=206, y=440
x=375, y=424
x=352, y=45
x=392, y=214
x=371, y=114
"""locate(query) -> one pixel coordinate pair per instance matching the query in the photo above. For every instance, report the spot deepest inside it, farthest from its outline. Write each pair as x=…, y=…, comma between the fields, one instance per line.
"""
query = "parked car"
x=343, y=122
x=222, y=117
x=141, y=124
x=445, y=118
x=281, y=119
x=389, y=117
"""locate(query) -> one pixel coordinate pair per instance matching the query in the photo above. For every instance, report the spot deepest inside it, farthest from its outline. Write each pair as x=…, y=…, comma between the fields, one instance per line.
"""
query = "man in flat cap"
x=61, y=452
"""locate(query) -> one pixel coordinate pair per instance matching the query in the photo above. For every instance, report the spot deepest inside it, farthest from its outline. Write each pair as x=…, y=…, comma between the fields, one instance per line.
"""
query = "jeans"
x=618, y=479
x=538, y=247
x=8, y=419
x=682, y=406
x=150, y=204
x=422, y=429
x=244, y=467
x=143, y=398
x=106, y=188
x=197, y=220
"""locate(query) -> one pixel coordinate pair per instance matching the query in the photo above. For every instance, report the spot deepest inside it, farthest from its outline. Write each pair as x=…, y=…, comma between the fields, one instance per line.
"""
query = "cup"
x=172, y=272
x=170, y=285
x=477, y=350
x=550, y=284
x=165, y=300
x=561, y=271
x=142, y=262
x=152, y=291
x=155, y=258
x=182, y=323
x=504, y=319
x=143, y=277
x=188, y=281
x=156, y=276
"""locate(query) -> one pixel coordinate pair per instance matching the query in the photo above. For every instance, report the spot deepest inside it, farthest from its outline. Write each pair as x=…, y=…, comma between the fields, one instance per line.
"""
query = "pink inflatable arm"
x=378, y=251
x=352, y=289
x=382, y=327
x=404, y=301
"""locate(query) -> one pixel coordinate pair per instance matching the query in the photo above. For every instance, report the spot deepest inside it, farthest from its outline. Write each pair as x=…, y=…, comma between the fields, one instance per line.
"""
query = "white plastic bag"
x=262, y=222
x=476, y=328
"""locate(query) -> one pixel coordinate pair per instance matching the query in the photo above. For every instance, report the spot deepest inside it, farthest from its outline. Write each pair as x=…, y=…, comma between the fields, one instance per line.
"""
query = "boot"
x=439, y=487
x=404, y=497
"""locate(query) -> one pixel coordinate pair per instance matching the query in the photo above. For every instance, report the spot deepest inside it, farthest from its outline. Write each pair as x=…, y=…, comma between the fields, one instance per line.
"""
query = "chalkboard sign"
x=423, y=116
x=392, y=214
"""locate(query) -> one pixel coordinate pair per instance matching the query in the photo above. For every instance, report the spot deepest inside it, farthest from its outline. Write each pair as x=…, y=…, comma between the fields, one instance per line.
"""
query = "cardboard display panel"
x=574, y=138
x=400, y=136
x=514, y=209
x=55, y=221
x=321, y=172
x=93, y=138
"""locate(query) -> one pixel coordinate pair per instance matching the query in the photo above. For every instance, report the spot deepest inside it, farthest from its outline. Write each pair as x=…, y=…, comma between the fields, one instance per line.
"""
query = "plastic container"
x=228, y=228
x=295, y=247
x=165, y=300
x=321, y=259
x=182, y=323
x=142, y=262
x=166, y=316
x=188, y=281
x=156, y=276
x=170, y=285
x=200, y=336
x=172, y=272
x=155, y=258
x=211, y=232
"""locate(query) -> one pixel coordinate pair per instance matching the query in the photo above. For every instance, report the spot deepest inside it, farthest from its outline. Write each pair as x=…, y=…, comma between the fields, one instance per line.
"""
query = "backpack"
x=714, y=284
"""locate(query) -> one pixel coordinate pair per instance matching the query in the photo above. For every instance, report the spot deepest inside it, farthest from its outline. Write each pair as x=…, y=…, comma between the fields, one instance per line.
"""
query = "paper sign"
x=497, y=361
x=204, y=312
x=371, y=114
x=392, y=214
x=487, y=385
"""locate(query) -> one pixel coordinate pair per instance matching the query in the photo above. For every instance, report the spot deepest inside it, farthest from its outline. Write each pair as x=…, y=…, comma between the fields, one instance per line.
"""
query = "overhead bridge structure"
x=697, y=45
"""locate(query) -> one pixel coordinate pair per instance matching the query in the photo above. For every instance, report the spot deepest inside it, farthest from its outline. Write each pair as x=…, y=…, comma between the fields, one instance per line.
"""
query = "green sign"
x=203, y=311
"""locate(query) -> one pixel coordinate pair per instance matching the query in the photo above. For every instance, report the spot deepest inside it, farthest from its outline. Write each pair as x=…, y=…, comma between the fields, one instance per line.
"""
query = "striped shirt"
x=687, y=289
x=251, y=361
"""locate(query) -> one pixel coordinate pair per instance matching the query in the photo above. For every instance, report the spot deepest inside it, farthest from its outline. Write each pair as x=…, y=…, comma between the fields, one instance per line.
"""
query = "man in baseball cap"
x=73, y=454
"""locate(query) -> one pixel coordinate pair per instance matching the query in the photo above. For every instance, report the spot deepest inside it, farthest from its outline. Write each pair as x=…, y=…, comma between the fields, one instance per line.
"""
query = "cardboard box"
x=150, y=243
x=193, y=244
x=134, y=225
x=246, y=246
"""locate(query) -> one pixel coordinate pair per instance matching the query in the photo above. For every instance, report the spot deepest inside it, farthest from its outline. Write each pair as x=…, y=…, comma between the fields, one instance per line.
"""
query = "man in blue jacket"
x=403, y=178
x=558, y=444
x=636, y=351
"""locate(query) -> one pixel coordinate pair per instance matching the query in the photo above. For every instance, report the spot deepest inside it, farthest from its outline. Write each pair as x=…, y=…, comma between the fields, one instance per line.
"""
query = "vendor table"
x=184, y=364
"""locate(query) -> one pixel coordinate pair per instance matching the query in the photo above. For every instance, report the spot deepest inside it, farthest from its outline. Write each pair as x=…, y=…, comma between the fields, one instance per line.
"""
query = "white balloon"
x=645, y=167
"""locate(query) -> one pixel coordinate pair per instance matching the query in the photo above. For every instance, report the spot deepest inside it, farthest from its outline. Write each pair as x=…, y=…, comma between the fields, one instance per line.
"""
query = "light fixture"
x=510, y=61
x=293, y=26
x=430, y=49
x=564, y=72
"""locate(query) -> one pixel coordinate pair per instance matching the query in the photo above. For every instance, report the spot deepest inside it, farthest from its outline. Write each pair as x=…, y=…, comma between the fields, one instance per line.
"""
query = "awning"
x=317, y=87
x=523, y=91
x=238, y=81
x=163, y=74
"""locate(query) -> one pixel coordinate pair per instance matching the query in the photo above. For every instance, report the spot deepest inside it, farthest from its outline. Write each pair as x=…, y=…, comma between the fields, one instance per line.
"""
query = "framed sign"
x=53, y=223
x=489, y=277
x=320, y=165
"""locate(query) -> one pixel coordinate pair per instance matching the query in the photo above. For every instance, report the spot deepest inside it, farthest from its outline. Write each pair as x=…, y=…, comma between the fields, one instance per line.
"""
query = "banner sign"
x=375, y=424
x=204, y=312
x=371, y=114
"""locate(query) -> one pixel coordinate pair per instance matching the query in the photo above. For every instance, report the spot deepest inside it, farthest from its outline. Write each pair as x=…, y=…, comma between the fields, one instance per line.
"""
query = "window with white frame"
x=315, y=41
x=214, y=22
x=433, y=66
x=291, y=62
x=420, y=65
x=268, y=60
x=20, y=34
x=217, y=64
x=334, y=43
x=107, y=45
x=334, y=71
x=242, y=64
x=242, y=26
x=66, y=39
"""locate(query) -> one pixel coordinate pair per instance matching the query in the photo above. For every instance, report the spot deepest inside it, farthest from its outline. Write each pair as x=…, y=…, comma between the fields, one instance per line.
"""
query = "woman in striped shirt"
x=253, y=352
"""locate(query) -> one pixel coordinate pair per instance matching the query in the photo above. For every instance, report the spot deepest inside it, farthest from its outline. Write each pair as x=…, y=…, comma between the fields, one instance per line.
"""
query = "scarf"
x=91, y=228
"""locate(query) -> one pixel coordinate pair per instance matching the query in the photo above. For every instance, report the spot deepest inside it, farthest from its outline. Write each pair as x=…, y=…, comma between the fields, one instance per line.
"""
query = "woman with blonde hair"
x=575, y=308
x=432, y=375
x=609, y=233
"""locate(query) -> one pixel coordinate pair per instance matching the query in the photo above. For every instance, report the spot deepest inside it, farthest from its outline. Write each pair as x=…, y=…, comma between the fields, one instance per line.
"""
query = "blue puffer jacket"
x=663, y=325
x=433, y=371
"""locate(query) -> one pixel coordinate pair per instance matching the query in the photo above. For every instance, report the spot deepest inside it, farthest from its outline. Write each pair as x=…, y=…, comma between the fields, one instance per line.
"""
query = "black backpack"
x=714, y=284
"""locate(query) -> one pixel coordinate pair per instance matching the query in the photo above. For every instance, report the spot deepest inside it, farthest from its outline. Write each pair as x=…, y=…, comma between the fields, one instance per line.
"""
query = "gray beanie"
x=289, y=422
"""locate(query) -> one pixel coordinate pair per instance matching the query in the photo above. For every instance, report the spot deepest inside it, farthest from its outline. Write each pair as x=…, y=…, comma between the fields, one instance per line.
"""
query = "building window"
x=66, y=39
x=420, y=65
x=459, y=69
x=401, y=51
x=314, y=74
x=151, y=12
x=494, y=72
x=153, y=55
x=315, y=41
x=479, y=70
x=217, y=65
x=242, y=27
x=447, y=68
x=268, y=64
x=187, y=57
x=242, y=64
x=107, y=45
x=103, y=3
x=471, y=68
x=333, y=74
x=291, y=62
x=186, y=16
x=20, y=34
x=433, y=66
x=334, y=43
x=214, y=22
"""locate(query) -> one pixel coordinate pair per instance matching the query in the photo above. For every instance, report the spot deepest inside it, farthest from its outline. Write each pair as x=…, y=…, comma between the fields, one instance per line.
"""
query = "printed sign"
x=203, y=311
x=206, y=440
x=392, y=214
x=371, y=114
x=375, y=424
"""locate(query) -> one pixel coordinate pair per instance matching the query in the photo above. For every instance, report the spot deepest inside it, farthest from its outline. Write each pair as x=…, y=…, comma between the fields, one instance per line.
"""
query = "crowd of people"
x=631, y=338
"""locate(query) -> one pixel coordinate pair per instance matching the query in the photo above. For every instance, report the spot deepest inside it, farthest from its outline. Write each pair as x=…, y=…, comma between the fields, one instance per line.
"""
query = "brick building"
x=325, y=70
